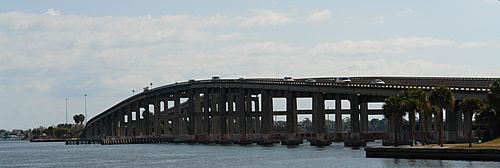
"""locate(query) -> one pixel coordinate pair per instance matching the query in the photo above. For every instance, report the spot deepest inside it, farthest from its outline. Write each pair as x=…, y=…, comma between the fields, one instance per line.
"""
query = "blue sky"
x=50, y=50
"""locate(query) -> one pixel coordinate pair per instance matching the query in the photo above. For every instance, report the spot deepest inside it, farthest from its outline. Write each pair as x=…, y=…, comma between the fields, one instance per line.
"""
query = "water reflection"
x=24, y=154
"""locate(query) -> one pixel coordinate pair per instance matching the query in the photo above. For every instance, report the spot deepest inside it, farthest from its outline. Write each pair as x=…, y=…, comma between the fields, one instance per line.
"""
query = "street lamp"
x=66, y=110
x=85, y=97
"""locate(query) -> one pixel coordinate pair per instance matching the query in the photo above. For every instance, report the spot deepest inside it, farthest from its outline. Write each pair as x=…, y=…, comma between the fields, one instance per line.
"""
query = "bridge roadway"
x=241, y=110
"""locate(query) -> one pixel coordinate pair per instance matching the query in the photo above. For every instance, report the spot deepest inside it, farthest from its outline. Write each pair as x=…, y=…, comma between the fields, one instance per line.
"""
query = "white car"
x=287, y=78
x=310, y=80
x=342, y=80
x=377, y=82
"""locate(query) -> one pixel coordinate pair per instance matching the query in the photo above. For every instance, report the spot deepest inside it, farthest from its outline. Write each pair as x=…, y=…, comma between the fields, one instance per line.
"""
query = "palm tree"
x=82, y=118
x=415, y=100
x=442, y=98
x=76, y=118
x=471, y=106
x=494, y=102
x=394, y=108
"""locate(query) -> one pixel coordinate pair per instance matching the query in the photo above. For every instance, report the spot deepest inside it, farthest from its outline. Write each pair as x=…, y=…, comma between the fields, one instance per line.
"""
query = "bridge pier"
x=267, y=117
x=339, y=130
x=354, y=137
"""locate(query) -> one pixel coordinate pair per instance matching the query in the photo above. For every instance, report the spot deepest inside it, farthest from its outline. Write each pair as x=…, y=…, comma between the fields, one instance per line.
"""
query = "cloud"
x=322, y=15
x=388, y=46
x=259, y=49
x=406, y=12
x=227, y=37
x=45, y=58
x=53, y=12
x=482, y=44
x=380, y=19
x=473, y=45
x=266, y=18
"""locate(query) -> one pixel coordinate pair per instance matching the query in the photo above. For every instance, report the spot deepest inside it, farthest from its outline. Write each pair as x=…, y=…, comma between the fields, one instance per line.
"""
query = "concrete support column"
x=354, y=136
x=248, y=111
x=355, y=114
x=130, y=123
x=147, y=118
x=156, y=116
x=222, y=111
x=177, y=115
x=364, y=114
x=339, y=130
x=114, y=120
x=231, y=125
x=240, y=108
x=214, y=119
x=198, y=115
x=291, y=115
x=121, y=123
x=318, y=115
x=206, y=112
x=139, y=121
x=191, y=113
x=267, y=112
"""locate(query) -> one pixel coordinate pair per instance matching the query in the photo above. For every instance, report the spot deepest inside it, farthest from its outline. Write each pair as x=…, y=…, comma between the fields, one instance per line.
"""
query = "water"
x=25, y=154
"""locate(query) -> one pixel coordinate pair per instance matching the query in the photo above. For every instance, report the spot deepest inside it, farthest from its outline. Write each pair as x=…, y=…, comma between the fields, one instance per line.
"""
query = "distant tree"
x=82, y=118
x=280, y=125
x=49, y=131
x=442, y=98
x=61, y=132
x=79, y=118
x=76, y=118
x=305, y=125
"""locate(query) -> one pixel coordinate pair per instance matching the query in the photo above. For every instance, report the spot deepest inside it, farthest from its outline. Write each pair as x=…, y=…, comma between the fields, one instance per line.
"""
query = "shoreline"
x=474, y=154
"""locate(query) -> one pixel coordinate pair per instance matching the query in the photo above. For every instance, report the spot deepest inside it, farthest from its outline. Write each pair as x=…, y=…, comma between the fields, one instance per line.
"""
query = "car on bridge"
x=310, y=80
x=287, y=78
x=342, y=80
x=377, y=82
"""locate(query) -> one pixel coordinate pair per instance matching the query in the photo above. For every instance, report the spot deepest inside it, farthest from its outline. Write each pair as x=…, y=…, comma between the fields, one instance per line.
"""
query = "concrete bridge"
x=241, y=110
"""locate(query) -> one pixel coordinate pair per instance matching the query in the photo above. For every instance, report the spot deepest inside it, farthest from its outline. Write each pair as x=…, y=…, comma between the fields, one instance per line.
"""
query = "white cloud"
x=320, y=15
x=227, y=37
x=406, y=12
x=388, y=46
x=380, y=19
x=266, y=18
x=106, y=57
x=473, y=45
x=261, y=48
x=482, y=44
x=53, y=12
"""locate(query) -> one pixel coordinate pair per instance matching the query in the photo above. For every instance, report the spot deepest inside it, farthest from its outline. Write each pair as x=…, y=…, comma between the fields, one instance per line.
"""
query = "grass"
x=493, y=144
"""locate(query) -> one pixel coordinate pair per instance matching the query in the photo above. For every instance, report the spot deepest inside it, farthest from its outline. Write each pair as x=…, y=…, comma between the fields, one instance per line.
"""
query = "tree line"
x=439, y=100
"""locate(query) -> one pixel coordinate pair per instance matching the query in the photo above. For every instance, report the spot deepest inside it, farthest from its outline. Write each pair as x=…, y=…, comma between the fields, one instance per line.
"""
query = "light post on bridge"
x=85, y=98
x=66, y=110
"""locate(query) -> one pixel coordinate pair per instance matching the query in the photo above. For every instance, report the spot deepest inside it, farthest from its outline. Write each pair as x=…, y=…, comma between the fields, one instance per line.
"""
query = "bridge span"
x=242, y=111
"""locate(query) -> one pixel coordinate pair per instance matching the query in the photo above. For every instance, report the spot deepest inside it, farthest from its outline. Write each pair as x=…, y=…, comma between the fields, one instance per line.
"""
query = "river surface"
x=25, y=154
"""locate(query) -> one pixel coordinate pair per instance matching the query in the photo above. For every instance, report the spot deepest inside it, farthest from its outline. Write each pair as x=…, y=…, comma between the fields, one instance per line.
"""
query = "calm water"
x=25, y=154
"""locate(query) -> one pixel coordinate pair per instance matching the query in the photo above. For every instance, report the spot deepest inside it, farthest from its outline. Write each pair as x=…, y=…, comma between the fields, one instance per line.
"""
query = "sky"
x=56, y=49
